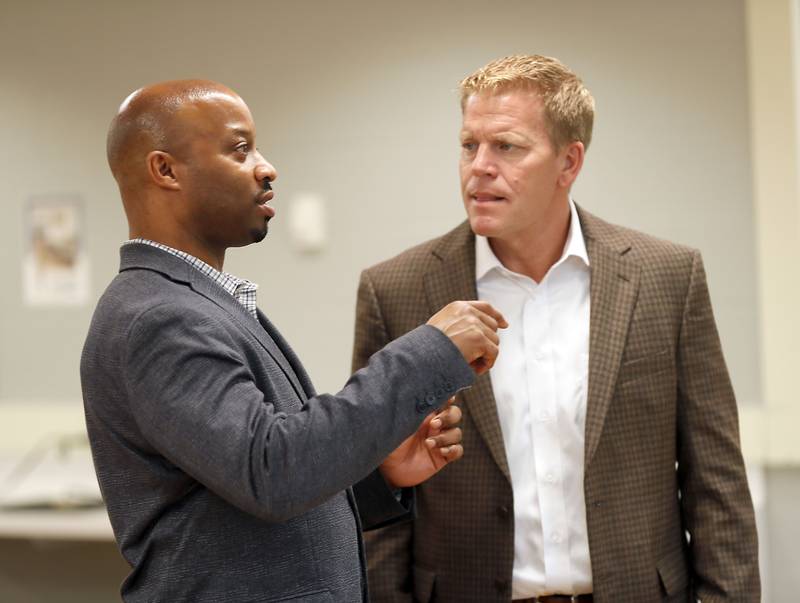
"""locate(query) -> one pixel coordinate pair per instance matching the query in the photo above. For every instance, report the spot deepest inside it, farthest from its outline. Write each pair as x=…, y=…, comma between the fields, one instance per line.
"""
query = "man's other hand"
x=472, y=327
x=436, y=443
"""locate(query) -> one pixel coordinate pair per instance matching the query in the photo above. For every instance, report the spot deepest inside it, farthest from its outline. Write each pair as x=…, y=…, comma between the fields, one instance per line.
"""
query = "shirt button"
x=544, y=416
x=550, y=478
x=555, y=537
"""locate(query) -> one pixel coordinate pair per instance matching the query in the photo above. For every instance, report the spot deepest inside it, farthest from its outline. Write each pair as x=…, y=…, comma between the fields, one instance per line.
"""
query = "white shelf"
x=84, y=525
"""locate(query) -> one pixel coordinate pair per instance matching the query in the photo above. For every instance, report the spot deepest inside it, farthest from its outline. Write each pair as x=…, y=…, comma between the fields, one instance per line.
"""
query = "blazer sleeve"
x=199, y=404
x=389, y=549
x=715, y=500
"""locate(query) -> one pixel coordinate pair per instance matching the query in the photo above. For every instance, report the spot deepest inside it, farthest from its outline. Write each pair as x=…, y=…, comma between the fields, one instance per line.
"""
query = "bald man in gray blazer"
x=226, y=476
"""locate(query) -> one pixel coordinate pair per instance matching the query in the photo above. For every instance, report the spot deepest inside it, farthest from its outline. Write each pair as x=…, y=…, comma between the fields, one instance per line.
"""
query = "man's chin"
x=483, y=226
x=259, y=234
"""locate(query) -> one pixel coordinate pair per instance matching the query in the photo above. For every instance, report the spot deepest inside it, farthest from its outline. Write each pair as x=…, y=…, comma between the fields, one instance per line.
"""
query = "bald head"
x=152, y=119
x=189, y=172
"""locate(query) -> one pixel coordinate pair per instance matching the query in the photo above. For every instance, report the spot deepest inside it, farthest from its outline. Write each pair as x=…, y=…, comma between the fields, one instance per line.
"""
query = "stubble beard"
x=259, y=234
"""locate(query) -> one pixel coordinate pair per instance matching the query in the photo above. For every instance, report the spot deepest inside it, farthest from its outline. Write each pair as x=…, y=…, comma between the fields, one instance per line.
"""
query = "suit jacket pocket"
x=640, y=368
x=317, y=596
x=424, y=582
x=673, y=573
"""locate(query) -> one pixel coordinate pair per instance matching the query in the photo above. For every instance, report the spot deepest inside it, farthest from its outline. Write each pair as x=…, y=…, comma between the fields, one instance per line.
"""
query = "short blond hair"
x=568, y=105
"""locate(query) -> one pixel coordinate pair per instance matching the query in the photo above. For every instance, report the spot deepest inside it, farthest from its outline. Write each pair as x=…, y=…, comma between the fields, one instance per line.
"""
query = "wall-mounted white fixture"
x=307, y=222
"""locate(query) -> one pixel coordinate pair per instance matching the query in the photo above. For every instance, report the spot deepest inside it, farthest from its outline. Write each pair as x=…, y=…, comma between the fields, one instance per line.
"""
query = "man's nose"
x=483, y=163
x=265, y=170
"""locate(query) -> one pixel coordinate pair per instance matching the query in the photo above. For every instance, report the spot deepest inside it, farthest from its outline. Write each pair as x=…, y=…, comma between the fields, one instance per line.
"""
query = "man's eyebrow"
x=243, y=132
x=510, y=135
x=502, y=135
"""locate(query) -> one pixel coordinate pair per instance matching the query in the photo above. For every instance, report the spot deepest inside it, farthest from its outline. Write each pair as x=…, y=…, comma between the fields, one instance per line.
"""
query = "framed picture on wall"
x=55, y=269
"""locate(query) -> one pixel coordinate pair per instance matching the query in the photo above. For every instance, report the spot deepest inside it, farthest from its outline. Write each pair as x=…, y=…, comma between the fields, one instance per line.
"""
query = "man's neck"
x=535, y=251
x=182, y=242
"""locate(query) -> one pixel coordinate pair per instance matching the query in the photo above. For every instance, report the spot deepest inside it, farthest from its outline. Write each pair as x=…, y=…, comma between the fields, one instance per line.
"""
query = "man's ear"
x=572, y=162
x=161, y=168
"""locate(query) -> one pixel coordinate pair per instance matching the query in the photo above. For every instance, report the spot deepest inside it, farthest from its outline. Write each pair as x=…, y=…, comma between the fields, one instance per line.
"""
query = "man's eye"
x=243, y=148
x=468, y=146
x=505, y=146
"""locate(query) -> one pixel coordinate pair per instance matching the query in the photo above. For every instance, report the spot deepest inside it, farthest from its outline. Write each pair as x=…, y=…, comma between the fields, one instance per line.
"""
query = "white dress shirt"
x=539, y=382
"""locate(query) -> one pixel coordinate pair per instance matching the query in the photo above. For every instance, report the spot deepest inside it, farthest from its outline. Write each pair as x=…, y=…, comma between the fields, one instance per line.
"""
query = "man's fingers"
x=482, y=310
x=485, y=318
x=428, y=422
x=490, y=350
x=452, y=453
x=485, y=362
x=489, y=333
x=479, y=366
x=472, y=327
x=449, y=417
x=490, y=310
x=445, y=439
x=443, y=430
x=491, y=344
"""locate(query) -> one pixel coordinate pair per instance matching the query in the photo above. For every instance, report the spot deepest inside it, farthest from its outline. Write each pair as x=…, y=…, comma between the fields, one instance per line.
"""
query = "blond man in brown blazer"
x=602, y=454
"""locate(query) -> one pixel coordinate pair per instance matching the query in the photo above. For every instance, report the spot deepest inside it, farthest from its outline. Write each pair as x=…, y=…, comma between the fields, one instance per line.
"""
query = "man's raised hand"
x=472, y=327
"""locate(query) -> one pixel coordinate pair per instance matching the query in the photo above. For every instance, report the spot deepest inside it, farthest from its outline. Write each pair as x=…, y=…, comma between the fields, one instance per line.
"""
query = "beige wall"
x=770, y=431
x=772, y=50
x=355, y=101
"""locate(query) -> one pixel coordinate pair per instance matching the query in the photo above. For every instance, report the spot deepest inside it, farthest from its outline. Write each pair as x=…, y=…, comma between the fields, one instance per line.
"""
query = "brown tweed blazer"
x=662, y=455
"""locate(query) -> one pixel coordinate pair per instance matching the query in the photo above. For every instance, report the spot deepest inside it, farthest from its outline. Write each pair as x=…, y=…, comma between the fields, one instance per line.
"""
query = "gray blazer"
x=226, y=477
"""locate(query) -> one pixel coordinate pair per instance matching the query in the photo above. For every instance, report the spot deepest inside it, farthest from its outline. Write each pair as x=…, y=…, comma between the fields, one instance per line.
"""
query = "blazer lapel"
x=451, y=279
x=207, y=288
x=297, y=368
x=139, y=255
x=614, y=289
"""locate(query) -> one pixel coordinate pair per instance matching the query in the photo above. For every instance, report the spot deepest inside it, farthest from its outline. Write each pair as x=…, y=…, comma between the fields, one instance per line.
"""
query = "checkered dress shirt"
x=241, y=289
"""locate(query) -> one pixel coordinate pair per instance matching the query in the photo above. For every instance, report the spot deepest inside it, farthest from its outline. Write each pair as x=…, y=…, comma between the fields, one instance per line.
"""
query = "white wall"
x=356, y=100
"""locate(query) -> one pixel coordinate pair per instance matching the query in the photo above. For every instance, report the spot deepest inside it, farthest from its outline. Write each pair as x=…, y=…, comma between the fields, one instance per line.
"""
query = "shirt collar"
x=231, y=283
x=575, y=246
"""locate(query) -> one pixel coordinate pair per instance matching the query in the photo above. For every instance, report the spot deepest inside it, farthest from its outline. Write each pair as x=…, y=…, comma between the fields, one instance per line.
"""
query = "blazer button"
x=501, y=584
x=430, y=399
x=502, y=511
x=439, y=393
x=449, y=387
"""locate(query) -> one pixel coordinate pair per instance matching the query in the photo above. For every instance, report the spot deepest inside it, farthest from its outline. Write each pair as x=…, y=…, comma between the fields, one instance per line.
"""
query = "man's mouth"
x=263, y=204
x=481, y=197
